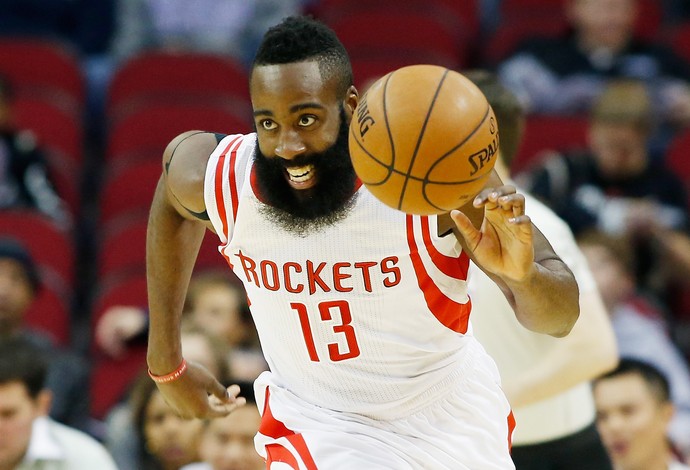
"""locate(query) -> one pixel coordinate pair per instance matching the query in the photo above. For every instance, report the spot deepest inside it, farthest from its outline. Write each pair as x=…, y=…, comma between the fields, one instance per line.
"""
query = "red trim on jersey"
x=233, y=182
x=450, y=313
x=511, y=428
x=278, y=453
x=453, y=267
x=275, y=429
x=220, y=200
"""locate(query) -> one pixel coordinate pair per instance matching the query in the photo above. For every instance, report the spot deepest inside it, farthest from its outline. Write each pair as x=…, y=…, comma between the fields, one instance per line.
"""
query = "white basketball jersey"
x=366, y=315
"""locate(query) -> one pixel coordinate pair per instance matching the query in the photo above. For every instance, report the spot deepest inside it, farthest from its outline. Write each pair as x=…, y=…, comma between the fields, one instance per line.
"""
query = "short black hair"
x=302, y=38
x=22, y=361
x=13, y=249
x=507, y=109
x=656, y=381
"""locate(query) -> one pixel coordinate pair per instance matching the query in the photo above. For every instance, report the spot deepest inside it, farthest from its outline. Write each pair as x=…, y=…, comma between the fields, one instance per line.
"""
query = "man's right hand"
x=197, y=394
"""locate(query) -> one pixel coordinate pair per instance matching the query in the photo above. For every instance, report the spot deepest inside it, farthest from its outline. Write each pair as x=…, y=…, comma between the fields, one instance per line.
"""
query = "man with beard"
x=362, y=310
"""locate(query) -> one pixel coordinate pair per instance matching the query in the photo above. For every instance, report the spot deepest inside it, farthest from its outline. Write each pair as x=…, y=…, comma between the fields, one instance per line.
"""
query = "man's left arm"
x=515, y=254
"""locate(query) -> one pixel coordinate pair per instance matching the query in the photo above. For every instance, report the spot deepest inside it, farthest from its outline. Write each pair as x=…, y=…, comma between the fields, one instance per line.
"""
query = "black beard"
x=304, y=211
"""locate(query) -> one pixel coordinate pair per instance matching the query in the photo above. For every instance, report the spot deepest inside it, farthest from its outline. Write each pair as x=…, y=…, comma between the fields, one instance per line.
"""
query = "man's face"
x=604, y=23
x=228, y=443
x=631, y=421
x=620, y=149
x=217, y=309
x=171, y=439
x=303, y=166
x=16, y=294
x=17, y=413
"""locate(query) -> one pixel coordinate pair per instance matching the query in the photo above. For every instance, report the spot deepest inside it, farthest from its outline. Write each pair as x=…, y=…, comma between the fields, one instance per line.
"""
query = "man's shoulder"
x=78, y=449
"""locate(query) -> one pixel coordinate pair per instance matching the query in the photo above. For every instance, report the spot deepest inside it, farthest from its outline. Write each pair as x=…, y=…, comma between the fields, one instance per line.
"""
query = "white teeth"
x=300, y=173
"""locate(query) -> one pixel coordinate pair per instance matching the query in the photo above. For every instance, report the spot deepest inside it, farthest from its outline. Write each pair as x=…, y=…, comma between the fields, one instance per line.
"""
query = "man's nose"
x=289, y=145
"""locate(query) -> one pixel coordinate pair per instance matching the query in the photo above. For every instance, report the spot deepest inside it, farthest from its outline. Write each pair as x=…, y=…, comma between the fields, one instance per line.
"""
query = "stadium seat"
x=49, y=313
x=678, y=38
x=184, y=77
x=144, y=134
x=516, y=29
x=463, y=15
x=128, y=191
x=110, y=377
x=54, y=127
x=550, y=132
x=44, y=69
x=380, y=33
x=51, y=247
x=677, y=159
x=53, y=252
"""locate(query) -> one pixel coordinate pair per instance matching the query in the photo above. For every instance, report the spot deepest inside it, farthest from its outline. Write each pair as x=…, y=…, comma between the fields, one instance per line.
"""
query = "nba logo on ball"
x=423, y=139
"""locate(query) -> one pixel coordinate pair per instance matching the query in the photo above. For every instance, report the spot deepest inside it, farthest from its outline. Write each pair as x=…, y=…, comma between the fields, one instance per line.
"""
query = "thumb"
x=219, y=391
x=466, y=228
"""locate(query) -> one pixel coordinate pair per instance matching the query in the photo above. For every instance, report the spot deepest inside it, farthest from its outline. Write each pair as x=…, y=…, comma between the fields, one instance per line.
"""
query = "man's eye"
x=268, y=124
x=305, y=121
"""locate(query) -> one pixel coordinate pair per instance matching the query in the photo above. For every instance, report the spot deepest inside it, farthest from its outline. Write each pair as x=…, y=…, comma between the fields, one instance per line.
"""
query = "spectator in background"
x=633, y=412
x=86, y=25
x=24, y=177
x=228, y=443
x=125, y=434
x=615, y=186
x=566, y=74
x=216, y=302
x=167, y=441
x=227, y=27
x=640, y=327
x=546, y=379
x=30, y=439
x=67, y=372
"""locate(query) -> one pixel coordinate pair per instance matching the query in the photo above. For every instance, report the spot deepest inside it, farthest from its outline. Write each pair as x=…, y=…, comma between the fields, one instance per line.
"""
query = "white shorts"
x=468, y=428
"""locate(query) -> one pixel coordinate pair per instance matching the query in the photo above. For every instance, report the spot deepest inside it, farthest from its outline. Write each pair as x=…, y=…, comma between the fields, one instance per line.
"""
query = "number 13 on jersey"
x=329, y=312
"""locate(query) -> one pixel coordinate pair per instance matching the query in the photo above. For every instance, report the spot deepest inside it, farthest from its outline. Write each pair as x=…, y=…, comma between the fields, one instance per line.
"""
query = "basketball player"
x=545, y=379
x=362, y=310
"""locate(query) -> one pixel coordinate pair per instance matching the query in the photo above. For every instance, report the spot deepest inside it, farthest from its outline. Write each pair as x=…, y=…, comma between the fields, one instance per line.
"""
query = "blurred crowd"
x=92, y=90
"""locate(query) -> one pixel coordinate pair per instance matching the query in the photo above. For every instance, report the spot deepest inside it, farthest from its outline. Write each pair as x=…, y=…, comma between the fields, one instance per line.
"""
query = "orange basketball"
x=423, y=139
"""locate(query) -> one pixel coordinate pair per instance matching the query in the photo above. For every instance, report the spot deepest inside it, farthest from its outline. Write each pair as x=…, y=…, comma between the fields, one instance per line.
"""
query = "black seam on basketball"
x=426, y=181
x=421, y=136
x=390, y=168
x=388, y=128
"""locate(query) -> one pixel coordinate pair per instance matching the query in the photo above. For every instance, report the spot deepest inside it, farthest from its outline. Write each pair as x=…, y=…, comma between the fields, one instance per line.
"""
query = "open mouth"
x=301, y=177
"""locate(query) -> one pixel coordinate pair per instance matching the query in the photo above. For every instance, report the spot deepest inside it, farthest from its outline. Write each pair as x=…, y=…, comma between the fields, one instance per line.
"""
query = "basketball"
x=423, y=139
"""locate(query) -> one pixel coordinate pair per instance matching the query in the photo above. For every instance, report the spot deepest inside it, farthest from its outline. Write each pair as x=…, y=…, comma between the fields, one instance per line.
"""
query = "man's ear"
x=667, y=411
x=44, y=401
x=350, y=102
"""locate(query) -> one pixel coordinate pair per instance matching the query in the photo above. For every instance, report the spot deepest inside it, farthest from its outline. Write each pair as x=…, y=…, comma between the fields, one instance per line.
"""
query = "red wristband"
x=174, y=375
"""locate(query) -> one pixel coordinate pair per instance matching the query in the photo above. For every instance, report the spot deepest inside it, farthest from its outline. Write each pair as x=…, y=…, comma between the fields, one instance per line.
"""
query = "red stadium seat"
x=51, y=247
x=464, y=15
x=110, y=378
x=50, y=312
x=44, y=69
x=678, y=38
x=53, y=252
x=381, y=33
x=548, y=132
x=162, y=76
x=55, y=128
x=515, y=29
x=145, y=133
x=677, y=159
x=127, y=194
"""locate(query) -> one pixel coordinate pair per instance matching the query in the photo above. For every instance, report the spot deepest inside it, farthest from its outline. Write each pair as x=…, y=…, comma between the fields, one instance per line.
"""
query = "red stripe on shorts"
x=275, y=429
